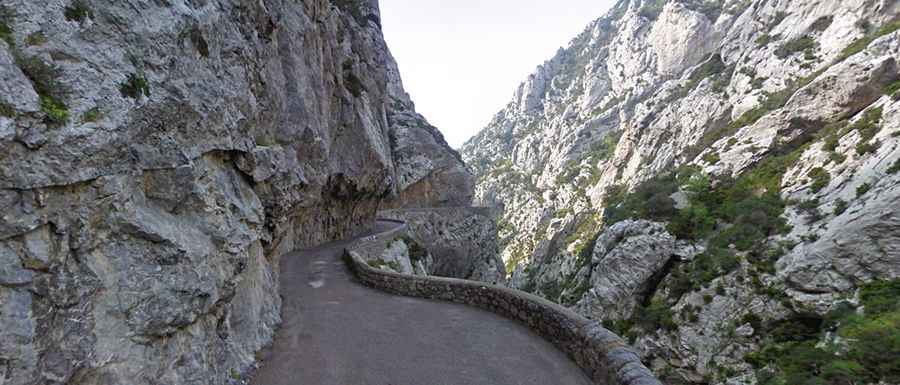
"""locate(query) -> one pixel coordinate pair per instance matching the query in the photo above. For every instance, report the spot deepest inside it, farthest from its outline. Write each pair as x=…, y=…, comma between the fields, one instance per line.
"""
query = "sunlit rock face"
x=728, y=88
x=157, y=158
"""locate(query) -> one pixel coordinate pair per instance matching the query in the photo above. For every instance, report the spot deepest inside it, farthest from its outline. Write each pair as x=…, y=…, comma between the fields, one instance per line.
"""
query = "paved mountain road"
x=336, y=331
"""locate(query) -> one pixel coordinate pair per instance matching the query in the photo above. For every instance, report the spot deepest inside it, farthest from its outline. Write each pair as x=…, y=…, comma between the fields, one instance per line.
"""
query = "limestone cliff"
x=758, y=143
x=158, y=157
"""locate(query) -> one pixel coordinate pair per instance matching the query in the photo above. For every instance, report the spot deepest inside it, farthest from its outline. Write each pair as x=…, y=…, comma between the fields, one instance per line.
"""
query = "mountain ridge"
x=758, y=141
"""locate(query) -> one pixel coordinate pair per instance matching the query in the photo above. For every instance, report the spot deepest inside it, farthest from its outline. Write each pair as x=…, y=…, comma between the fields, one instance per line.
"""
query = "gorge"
x=717, y=182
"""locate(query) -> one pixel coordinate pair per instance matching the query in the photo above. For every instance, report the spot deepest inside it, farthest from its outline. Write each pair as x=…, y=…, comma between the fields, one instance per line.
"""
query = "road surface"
x=336, y=331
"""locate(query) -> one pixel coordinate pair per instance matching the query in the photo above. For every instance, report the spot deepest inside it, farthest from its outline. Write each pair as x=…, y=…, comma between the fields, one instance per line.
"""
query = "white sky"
x=461, y=60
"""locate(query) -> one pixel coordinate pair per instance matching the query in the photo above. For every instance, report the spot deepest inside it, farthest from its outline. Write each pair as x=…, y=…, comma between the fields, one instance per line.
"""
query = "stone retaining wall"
x=605, y=357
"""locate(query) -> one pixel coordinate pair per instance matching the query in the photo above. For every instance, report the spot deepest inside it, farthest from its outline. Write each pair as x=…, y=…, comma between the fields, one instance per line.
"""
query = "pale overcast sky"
x=461, y=60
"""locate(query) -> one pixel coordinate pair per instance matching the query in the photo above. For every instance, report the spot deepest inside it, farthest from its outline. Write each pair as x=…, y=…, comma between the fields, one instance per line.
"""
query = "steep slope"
x=760, y=140
x=158, y=157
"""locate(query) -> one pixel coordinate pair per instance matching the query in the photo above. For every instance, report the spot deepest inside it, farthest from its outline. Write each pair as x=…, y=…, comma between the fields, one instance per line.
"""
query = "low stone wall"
x=462, y=240
x=605, y=357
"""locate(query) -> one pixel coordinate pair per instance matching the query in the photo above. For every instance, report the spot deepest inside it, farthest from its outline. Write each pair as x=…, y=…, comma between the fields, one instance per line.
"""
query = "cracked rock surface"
x=157, y=158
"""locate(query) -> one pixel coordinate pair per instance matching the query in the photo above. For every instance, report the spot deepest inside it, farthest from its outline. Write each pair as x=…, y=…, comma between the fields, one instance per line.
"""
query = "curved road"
x=337, y=332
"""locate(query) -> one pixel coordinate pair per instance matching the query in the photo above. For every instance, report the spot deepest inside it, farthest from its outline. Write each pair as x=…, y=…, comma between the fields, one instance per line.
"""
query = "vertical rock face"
x=784, y=111
x=157, y=158
x=462, y=241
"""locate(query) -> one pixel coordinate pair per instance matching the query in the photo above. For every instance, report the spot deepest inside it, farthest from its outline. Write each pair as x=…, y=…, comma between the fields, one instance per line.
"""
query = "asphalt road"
x=338, y=332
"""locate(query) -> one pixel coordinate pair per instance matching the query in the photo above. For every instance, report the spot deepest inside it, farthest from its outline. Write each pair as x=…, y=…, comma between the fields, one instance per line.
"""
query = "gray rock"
x=655, y=85
x=628, y=259
x=461, y=240
x=140, y=238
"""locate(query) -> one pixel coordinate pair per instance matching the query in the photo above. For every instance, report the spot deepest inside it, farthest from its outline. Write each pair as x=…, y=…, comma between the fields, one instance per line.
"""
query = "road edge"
x=601, y=354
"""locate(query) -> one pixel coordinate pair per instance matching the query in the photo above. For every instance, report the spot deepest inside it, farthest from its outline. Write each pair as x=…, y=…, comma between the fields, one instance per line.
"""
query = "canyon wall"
x=158, y=157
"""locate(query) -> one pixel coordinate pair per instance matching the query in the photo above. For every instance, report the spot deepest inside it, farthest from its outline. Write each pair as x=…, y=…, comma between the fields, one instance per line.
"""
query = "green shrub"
x=840, y=206
x=763, y=40
x=36, y=38
x=6, y=30
x=7, y=110
x=91, y=115
x=712, y=158
x=693, y=222
x=837, y=158
x=880, y=297
x=771, y=102
x=860, y=44
x=791, y=347
x=77, y=11
x=796, y=45
x=868, y=125
x=701, y=271
x=657, y=315
x=45, y=79
x=893, y=90
x=863, y=148
x=650, y=200
x=863, y=189
x=55, y=113
x=895, y=168
x=820, y=179
x=135, y=86
x=876, y=346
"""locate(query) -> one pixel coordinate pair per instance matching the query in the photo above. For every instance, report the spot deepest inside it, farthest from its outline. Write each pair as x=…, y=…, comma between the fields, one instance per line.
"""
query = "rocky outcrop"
x=429, y=172
x=157, y=159
x=403, y=255
x=628, y=260
x=462, y=241
x=794, y=102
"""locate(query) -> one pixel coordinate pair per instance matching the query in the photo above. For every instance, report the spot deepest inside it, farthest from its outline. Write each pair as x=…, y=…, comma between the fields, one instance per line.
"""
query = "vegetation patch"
x=732, y=215
x=135, y=86
x=800, y=44
x=599, y=150
x=383, y=265
x=840, y=206
x=713, y=67
x=712, y=158
x=763, y=40
x=45, y=79
x=867, y=126
x=863, y=189
x=56, y=113
x=417, y=253
x=78, y=11
x=6, y=30
x=36, y=39
x=798, y=350
x=7, y=110
x=820, y=178
x=895, y=168
x=862, y=43
x=92, y=115
x=893, y=90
